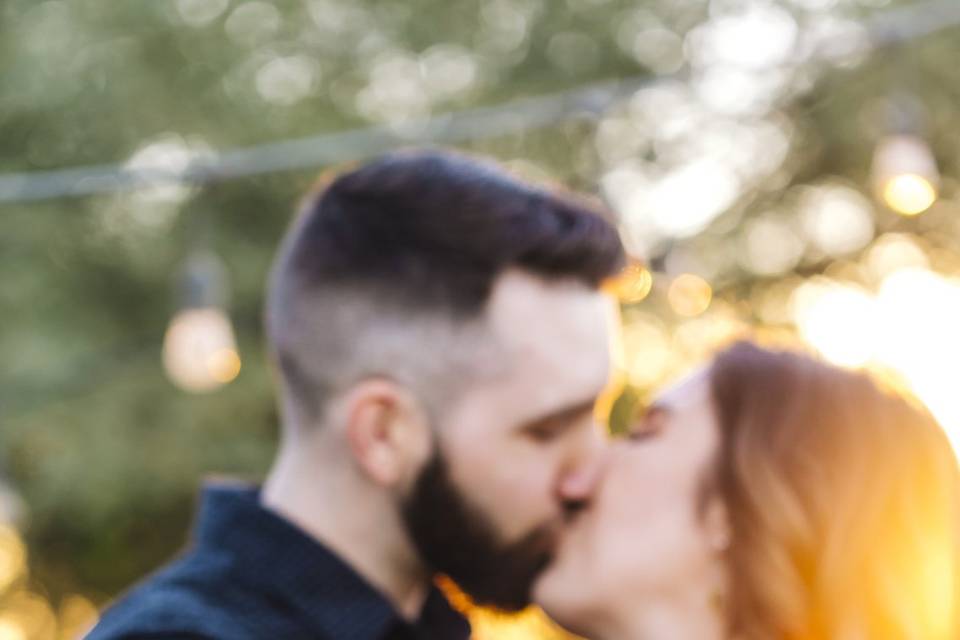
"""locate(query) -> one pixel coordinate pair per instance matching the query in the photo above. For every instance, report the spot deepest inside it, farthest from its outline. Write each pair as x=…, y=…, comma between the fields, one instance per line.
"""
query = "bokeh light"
x=200, y=13
x=892, y=252
x=395, y=93
x=771, y=246
x=837, y=319
x=689, y=295
x=284, y=81
x=751, y=36
x=169, y=155
x=698, y=338
x=253, y=22
x=31, y=614
x=13, y=557
x=632, y=285
x=647, y=350
x=448, y=71
x=837, y=219
x=11, y=629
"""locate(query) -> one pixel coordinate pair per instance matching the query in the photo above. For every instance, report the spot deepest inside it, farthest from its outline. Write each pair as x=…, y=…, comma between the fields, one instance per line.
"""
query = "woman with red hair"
x=768, y=496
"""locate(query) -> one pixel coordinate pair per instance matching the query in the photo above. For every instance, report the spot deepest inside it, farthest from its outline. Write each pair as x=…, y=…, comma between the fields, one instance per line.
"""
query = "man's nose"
x=586, y=468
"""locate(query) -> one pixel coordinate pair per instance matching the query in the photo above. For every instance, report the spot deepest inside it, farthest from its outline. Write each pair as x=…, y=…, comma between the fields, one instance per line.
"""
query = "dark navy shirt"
x=252, y=574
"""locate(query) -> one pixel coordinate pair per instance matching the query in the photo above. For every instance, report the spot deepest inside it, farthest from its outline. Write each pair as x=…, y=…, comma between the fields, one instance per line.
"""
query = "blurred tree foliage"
x=103, y=449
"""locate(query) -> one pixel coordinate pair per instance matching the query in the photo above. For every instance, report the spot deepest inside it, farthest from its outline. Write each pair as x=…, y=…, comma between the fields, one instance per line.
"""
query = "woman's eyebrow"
x=655, y=410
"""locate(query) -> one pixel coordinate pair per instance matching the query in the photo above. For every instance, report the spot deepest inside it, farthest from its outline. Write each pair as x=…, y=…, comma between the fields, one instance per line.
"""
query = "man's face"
x=520, y=450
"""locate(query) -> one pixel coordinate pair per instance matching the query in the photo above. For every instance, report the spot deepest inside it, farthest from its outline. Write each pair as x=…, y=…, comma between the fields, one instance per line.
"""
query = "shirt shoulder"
x=196, y=598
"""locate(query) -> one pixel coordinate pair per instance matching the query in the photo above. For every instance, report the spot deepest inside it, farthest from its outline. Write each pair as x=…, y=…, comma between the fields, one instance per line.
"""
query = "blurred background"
x=787, y=167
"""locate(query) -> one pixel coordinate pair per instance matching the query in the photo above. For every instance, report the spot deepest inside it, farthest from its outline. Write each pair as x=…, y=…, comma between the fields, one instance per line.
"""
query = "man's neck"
x=356, y=523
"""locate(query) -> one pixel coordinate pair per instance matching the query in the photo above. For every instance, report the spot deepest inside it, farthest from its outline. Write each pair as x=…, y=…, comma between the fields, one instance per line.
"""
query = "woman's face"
x=646, y=539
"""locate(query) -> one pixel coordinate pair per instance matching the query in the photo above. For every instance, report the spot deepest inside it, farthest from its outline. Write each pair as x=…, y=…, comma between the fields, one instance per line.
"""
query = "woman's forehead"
x=691, y=388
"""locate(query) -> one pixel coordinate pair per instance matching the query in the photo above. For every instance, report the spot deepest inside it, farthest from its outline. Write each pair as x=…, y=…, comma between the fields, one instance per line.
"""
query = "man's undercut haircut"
x=386, y=267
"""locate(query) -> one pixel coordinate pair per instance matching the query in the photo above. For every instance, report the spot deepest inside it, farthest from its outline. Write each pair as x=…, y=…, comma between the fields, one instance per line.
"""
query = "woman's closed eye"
x=648, y=425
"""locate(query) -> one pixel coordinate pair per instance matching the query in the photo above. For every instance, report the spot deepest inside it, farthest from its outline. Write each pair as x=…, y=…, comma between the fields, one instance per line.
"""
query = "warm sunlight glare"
x=908, y=327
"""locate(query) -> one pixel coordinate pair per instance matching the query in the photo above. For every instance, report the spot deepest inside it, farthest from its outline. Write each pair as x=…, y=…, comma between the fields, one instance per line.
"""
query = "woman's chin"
x=560, y=593
x=542, y=591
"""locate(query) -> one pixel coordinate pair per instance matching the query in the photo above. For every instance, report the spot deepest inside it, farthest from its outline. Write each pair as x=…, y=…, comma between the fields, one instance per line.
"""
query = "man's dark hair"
x=408, y=238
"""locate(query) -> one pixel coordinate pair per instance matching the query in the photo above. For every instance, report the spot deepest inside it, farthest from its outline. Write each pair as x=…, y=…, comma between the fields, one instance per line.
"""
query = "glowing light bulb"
x=905, y=174
x=199, y=349
x=909, y=194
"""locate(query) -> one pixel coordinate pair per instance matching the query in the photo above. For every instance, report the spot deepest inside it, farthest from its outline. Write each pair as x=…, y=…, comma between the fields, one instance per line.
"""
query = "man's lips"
x=554, y=534
x=572, y=521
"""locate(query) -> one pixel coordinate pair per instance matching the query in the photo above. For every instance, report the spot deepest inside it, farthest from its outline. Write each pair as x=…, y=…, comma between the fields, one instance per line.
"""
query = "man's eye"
x=544, y=434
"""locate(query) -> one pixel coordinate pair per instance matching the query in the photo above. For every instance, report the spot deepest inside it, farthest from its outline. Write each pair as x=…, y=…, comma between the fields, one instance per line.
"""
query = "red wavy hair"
x=843, y=502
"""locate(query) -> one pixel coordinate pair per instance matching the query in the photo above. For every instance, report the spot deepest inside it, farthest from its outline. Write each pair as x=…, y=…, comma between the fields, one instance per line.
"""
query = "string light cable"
x=887, y=28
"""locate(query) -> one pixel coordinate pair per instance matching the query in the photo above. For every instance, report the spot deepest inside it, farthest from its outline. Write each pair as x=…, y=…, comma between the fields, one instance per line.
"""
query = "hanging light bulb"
x=199, y=348
x=905, y=174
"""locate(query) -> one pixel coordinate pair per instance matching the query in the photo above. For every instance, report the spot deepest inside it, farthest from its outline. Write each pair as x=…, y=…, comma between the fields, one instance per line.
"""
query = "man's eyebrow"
x=562, y=416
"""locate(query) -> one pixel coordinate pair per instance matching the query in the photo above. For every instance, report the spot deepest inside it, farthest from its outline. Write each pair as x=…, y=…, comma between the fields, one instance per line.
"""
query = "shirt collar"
x=275, y=555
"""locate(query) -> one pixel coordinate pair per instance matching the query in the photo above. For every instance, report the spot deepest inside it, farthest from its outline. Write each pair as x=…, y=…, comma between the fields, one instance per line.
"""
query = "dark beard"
x=454, y=538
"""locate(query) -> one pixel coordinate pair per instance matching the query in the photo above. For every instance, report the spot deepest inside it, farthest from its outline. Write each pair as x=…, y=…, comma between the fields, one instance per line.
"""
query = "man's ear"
x=386, y=430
